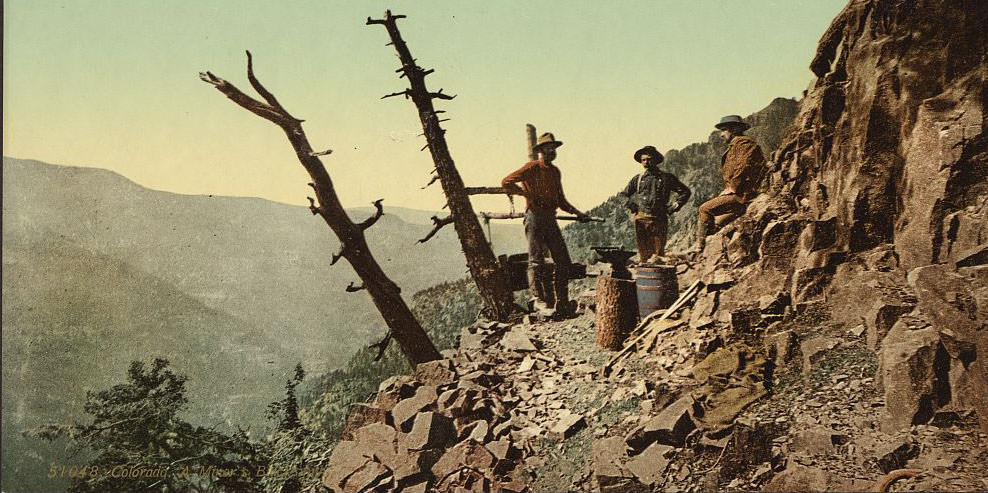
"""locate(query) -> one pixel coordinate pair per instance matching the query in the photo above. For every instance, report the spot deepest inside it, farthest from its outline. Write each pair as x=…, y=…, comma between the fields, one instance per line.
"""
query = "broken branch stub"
x=491, y=280
x=403, y=326
x=437, y=225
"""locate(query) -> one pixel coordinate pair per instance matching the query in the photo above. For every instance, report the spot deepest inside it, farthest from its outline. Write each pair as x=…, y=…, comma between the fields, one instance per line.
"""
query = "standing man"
x=539, y=182
x=743, y=167
x=647, y=197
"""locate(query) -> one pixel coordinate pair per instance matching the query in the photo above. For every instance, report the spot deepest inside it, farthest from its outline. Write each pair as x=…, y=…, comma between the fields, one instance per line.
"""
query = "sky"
x=114, y=84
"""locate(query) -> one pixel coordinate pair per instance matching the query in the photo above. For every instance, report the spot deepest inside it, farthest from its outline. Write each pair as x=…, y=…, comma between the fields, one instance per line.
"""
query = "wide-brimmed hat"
x=651, y=150
x=547, y=139
x=732, y=121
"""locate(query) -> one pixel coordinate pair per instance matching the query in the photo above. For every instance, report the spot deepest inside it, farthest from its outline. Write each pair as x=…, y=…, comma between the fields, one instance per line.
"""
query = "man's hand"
x=728, y=191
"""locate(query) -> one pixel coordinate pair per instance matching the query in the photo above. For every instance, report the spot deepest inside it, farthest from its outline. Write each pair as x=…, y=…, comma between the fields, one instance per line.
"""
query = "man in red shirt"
x=539, y=182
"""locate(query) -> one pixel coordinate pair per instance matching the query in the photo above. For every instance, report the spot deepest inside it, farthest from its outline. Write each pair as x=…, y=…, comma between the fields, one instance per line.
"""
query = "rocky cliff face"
x=879, y=201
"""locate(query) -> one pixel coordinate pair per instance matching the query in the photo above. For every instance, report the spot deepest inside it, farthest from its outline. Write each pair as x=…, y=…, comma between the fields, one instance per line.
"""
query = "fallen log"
x=488, y=191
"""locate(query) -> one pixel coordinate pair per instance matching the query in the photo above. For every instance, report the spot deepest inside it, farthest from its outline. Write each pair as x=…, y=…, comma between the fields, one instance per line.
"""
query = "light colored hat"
x=732, y=121
x=547, y=139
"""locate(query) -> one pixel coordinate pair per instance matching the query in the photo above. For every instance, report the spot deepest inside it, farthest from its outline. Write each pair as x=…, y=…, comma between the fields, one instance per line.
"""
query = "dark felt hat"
x=732, y=121
x=651, y=150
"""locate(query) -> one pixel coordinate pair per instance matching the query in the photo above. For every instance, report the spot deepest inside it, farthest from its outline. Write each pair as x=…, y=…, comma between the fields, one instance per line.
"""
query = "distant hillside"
x=256, y=260
x=696, y=165
x=98, y=271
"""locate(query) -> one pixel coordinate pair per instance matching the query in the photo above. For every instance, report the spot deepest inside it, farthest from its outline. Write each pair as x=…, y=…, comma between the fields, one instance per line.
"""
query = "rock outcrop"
x=884, y=179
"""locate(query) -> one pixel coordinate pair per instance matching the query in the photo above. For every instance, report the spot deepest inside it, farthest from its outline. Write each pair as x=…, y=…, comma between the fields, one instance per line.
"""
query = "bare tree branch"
x=381, y=346
x=351, y=288
x=440, y=95
x=434, y=179
x=437, y=225
x=322, y=153
x=399, y=93
x=256, y=107
x=373, y=219
x=338, y=255
x=312, y=206
x=256, y=84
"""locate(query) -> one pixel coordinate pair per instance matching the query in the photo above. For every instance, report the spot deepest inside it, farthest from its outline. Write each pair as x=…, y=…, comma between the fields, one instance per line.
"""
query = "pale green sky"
x=114, y=84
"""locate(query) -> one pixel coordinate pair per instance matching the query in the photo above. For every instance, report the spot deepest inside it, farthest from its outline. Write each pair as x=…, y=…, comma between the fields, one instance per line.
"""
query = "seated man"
x=647, y=197
x=743, y=166
x=539, y=181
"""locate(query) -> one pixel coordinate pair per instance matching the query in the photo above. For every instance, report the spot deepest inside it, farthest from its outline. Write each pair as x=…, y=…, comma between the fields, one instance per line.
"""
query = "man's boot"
x=564, y=308
x=537, y=288
x=544, y=275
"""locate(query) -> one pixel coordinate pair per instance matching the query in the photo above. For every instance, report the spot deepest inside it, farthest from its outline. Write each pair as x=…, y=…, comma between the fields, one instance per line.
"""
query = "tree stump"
x=617, y=311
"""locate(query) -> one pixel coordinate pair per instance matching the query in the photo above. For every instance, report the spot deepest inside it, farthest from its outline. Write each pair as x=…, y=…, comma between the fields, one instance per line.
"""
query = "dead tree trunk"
x=403, y=327
x=530, y=136
x=491, y=281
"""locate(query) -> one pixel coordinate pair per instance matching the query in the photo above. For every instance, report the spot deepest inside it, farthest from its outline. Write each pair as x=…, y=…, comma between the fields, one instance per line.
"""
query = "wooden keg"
x=658, y=287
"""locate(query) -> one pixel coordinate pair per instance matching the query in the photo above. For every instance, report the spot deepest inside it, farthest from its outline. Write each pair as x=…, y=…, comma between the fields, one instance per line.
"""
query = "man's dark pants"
x=544, y=236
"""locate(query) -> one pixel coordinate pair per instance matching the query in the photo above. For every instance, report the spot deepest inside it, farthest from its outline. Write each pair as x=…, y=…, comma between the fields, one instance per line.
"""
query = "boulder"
x=429, y=431
x=404, y=411
x=814, y=350
x=377, y=440
x=818, y=440
x=956, y=306
x=669, y=427
x=880, y=318
x=345, y=459
x=566, y=425
x=368, y=476
x=610, y=474
x=436, y=373
x=909, y=361
x=502, y=449
x=896, y=454
x=362, y=415
x=650, y=465
x=974, y=256
x=745, y=320
x=467, y=453
x=393, y=390
x=517, y=341
x=779, y=243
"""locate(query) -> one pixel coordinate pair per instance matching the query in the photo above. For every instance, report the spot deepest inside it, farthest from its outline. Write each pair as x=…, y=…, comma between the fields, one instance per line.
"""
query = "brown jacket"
x=743, y=166
x=541, y=186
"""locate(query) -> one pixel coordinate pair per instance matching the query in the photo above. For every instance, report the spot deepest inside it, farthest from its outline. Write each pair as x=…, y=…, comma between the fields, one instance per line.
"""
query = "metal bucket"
x=658, y=288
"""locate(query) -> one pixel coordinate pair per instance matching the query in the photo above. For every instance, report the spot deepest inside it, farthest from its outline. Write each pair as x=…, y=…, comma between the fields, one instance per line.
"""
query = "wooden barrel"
x=658, y=288
x=617, y=311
